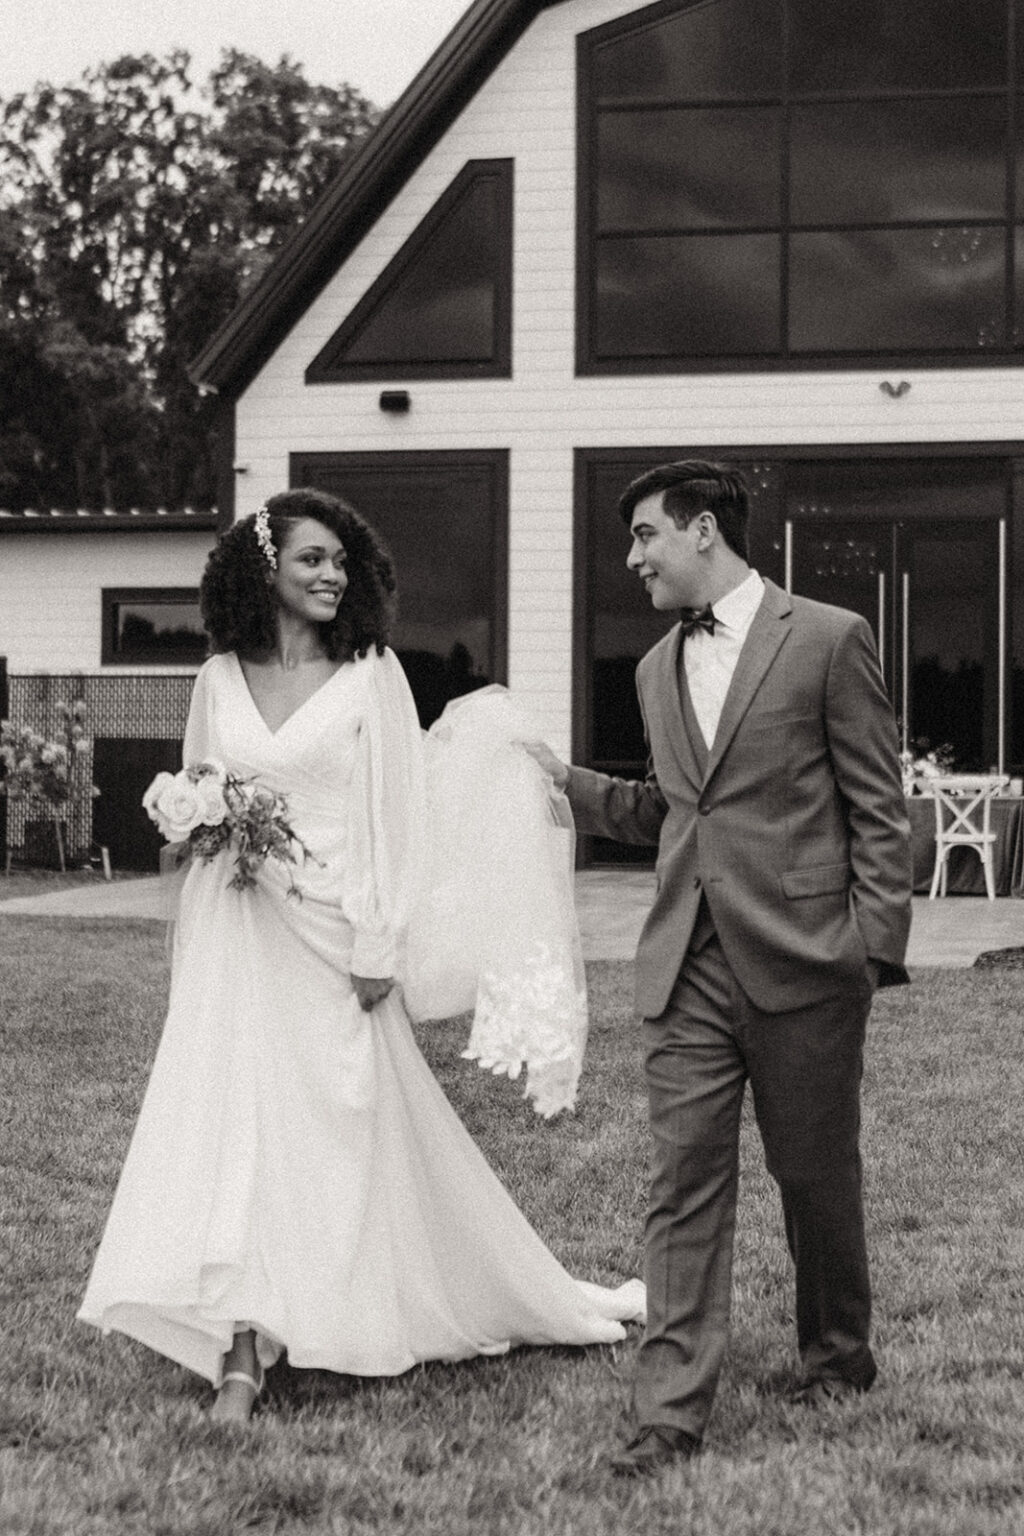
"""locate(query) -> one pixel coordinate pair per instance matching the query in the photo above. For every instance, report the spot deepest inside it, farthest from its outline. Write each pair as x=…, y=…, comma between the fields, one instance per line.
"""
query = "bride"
x=297, y=1181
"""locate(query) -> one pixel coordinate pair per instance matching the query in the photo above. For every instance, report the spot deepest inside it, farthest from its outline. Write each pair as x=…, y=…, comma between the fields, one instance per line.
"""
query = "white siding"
x=527, y=111
x=50, y=585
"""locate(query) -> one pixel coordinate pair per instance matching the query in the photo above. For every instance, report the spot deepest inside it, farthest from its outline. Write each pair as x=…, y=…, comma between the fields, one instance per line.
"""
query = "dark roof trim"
x=108, y=522
x=380, y=166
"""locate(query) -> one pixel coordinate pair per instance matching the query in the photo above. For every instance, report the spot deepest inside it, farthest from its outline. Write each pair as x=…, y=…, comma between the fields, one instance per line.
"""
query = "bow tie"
x=693, y=619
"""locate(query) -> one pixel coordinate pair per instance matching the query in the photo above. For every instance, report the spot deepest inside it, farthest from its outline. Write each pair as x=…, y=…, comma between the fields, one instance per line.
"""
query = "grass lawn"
x=100, y=1436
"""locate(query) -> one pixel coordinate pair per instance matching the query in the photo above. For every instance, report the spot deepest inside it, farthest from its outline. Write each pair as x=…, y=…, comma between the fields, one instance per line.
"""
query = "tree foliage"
x=135, y=208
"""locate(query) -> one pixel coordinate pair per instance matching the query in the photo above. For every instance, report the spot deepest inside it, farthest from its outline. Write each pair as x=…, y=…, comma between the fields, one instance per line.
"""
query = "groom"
x=783, y=900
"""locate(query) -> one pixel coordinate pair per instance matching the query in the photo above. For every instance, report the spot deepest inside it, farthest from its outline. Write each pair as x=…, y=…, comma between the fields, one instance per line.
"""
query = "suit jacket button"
x=705, y=810
x=696, y=883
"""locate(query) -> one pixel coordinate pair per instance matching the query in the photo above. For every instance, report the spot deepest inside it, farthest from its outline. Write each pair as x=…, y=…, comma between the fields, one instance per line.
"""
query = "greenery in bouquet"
x=50, y=770
x=920, y=761
x=207, y=810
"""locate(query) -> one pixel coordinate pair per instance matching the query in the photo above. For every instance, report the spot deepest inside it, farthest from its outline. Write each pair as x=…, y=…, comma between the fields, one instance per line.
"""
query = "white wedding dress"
x=296, y=1167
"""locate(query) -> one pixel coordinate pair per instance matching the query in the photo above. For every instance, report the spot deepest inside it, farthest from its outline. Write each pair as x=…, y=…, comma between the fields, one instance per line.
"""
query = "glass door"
x=947, y=669
x=918, y=549
x=850, y=564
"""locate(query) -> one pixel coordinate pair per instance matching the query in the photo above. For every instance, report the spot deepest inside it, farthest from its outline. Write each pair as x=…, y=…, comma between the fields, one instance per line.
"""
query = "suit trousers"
x=805, y=1070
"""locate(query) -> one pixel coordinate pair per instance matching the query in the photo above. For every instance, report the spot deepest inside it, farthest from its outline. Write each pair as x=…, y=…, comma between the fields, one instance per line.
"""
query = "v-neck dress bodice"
x=349, y=762
x=295, y=1166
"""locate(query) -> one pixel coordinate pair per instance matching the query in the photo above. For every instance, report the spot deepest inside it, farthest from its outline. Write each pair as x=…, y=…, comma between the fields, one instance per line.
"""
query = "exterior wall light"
x=395, y=400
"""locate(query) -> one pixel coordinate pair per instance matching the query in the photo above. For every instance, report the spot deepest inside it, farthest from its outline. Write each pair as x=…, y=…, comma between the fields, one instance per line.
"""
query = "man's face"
x=665, y=556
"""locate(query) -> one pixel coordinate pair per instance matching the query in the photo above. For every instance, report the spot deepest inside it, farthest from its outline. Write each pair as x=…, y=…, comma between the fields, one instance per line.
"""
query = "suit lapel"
x=670, y=686
x=769, y=629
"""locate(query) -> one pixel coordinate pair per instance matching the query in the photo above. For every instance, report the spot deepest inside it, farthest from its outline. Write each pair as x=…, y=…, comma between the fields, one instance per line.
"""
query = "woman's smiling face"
x=310, y=577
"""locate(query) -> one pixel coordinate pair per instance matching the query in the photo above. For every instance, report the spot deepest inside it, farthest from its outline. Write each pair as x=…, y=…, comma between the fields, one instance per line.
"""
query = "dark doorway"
x=444, y=517
x=123, y=771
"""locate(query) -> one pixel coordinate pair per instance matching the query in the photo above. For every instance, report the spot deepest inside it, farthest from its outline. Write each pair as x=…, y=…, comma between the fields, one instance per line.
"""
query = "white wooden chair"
x=963, y=819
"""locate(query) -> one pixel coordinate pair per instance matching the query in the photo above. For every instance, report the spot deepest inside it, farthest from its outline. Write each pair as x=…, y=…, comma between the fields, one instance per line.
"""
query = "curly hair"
x=236, y=598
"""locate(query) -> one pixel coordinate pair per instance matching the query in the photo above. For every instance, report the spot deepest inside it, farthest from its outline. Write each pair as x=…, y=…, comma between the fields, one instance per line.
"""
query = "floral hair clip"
x=263, y=537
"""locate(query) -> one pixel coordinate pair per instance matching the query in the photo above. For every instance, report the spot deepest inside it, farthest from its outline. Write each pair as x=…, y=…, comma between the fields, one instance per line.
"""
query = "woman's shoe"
x=235, y=1407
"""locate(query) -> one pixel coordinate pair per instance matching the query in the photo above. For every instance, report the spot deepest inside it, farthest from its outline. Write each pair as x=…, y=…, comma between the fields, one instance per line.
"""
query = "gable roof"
x=376, y=171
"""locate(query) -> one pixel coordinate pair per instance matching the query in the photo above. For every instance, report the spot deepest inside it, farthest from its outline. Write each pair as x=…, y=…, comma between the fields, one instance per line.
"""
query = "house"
x=593, y=236
x=104, y=607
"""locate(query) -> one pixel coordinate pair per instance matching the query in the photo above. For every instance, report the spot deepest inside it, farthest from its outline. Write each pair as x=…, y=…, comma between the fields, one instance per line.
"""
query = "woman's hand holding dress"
x=371, y=990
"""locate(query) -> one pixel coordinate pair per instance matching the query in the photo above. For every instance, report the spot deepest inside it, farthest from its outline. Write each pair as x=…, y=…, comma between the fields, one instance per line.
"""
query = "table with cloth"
x=966, y=876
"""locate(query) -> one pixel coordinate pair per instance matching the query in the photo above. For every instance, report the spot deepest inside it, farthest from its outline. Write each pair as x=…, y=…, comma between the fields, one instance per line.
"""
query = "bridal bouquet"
x=209, y=809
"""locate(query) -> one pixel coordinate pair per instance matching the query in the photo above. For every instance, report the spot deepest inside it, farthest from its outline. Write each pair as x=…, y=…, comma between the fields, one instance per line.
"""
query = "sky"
x=375, y=45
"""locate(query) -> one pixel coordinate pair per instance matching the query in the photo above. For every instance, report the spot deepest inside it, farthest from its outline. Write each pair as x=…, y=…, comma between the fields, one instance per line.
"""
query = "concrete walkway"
x=611, y=906
x=952, y=931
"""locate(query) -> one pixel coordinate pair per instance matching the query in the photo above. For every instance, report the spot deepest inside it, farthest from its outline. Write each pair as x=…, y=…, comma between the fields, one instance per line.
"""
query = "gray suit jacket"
x=796, y=830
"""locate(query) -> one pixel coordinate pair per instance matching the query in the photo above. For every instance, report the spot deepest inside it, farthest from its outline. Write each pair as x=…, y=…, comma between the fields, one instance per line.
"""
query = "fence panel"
x=136, y=723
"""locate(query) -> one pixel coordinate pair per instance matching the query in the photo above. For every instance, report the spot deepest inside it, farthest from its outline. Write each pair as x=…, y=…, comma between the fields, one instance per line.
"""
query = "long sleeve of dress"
x=195, y=748
x=196, y=745
x=387, y=823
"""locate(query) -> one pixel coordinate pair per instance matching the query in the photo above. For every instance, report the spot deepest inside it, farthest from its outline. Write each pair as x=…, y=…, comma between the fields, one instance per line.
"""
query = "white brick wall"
x=527, y=111
x=50, y=585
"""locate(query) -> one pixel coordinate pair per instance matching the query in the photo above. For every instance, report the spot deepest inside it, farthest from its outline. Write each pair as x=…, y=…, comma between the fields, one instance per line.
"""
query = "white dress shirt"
x=710, y=660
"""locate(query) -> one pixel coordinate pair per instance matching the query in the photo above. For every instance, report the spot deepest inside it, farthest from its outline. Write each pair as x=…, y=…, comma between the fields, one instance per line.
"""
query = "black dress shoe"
x=819, y=1391
x=655, y=1447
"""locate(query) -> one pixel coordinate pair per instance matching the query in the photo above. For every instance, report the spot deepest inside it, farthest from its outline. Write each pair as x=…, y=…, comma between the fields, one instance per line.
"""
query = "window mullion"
x=784, y=184
x=1011, y=323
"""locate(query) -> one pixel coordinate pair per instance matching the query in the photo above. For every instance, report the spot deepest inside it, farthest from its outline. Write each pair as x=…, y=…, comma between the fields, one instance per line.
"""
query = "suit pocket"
x=818, y=880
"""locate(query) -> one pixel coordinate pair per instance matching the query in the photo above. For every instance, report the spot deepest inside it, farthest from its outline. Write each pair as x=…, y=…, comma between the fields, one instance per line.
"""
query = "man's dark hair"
x=235, y=595
x=692, y=486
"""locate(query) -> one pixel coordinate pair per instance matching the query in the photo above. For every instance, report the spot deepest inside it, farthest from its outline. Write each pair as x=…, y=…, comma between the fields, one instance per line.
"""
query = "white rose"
x=212, y=805
x=157, y=787
x=175, y=806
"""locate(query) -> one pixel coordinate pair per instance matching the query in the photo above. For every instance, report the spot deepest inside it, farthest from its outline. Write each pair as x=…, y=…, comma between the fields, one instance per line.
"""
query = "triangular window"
x=442, y=308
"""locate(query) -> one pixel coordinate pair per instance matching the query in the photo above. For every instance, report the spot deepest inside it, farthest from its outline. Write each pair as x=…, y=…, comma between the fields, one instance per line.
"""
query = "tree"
x=134, y=210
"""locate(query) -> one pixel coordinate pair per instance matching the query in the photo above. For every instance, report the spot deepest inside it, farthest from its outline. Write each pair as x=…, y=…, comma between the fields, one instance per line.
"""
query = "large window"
x=152, y=626
x=796, y=182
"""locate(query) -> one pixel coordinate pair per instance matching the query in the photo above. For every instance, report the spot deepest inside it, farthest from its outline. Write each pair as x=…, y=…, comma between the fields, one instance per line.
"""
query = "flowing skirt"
x=297, y=1169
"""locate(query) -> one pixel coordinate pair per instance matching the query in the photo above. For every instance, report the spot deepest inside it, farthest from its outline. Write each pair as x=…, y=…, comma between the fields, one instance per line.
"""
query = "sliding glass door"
x=917, y=548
